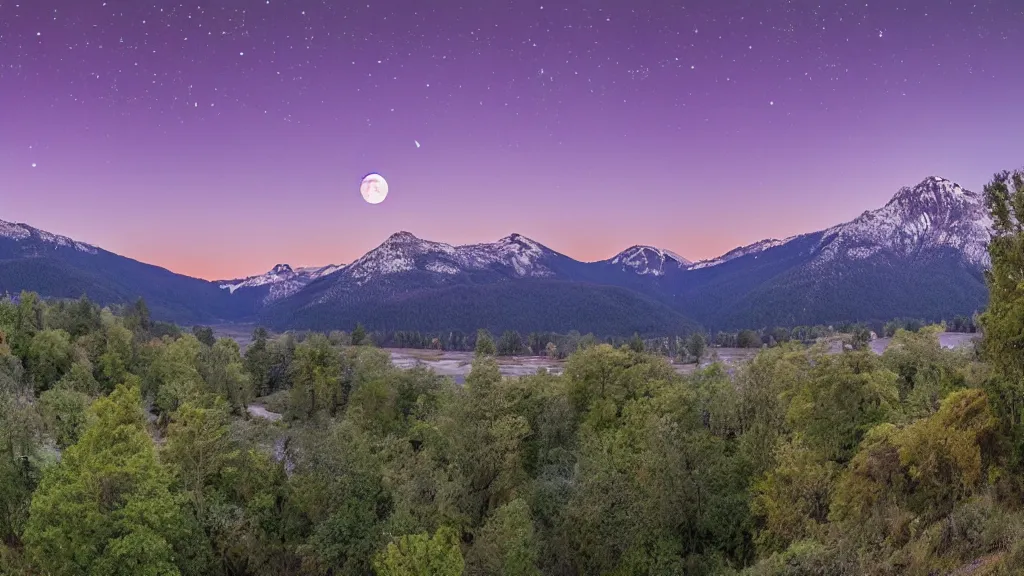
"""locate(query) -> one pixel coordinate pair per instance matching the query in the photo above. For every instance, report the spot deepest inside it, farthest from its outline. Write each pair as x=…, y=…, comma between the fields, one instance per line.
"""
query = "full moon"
x=374, y=188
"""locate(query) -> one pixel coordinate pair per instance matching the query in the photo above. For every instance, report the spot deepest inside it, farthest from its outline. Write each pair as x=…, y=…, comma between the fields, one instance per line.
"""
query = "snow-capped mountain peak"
x=404, y=252
x=21, y=232
x=314, y=272
x=282, y=280
x=521, y=241
x=934, y=214
x=516, y=251
x=280, y=273
x=402, y=237
x=934, y=194
x=648, y=260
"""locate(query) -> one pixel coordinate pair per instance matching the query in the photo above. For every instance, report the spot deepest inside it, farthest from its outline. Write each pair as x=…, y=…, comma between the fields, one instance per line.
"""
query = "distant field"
x=457, y=364
x=946, y=339
x=241, y=333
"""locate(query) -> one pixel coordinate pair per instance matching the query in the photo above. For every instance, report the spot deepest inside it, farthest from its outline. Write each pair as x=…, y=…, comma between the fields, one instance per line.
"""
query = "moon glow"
x=374, y=188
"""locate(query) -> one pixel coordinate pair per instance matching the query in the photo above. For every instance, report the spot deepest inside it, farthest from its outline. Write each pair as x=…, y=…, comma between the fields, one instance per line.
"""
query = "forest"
x=129, y=447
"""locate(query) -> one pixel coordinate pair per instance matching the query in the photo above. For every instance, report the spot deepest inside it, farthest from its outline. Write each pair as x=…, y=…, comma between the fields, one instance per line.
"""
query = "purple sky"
x=222, y=138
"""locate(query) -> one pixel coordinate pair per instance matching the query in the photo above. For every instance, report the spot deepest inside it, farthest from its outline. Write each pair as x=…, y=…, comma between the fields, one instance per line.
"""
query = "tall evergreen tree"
x=485, y=344
x=359, y=335
x=1003, y=322
x=258, y=360
x=107, y=507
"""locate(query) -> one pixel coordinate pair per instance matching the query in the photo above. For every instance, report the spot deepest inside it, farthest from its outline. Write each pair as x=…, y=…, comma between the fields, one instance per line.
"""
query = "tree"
x=860, y=337
x=422, y=555
x=506, y=544
x=107, y=507
x=222, y=369
x=199, y=448
x=780, y=335
x=8, y=316
x=917, y=473
x=28, y=322
x=484, y=344
x=748, y=339
x=341, y=493
x=258, y=361
x=316, y=377
x=844, y=396
x=551, y=351
x=49, y=357
x=19, y=448
x=792, y=499
x=64, y=412
x=173, y=376
x=204, y=334
x=510, y=344
x=137, y=318
x=117, y=357
x=636, y=344
x=359, y=335
x=1003, y=339
x=282, y=352
x=695, y=346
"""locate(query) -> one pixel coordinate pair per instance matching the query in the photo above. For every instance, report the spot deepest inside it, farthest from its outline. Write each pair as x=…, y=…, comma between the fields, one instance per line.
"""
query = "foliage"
x=107, y=507
x=1002, y=321
x=359, y=335
x=422, y=555
x=484, y=344
x=696, y=346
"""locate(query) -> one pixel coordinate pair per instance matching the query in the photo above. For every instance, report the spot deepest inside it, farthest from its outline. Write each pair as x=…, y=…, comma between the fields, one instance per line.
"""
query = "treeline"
x=507, y=343
x=561, y=346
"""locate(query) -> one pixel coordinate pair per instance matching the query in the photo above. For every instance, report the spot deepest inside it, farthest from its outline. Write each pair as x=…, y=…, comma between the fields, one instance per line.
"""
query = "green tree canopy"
x=422, y=555
x=108, y=508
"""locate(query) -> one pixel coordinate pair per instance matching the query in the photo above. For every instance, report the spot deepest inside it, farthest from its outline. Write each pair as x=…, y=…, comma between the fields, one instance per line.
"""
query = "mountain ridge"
x=636, y=250
x=935, y=225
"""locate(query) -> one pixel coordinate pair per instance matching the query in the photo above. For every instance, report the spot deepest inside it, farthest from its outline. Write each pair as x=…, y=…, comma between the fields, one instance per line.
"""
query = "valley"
x=456, y=364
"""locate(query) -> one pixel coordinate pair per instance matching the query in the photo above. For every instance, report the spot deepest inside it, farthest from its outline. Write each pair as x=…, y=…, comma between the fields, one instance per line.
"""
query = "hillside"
x=526, y=306
x=58, y=267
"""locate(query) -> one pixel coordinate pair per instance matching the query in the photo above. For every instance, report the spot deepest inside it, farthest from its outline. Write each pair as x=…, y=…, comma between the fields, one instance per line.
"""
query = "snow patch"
x=442, y=268
x=648, y=260
x=282, y=280
x=401, y=252
x=755, y=248
x=20, y=232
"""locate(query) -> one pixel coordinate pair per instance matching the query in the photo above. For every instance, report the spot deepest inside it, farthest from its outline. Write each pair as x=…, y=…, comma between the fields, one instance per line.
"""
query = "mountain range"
x=921, y=255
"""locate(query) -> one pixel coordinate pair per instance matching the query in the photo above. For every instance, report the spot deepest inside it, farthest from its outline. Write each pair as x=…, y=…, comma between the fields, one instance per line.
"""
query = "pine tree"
x=1003, y=342
x=359, y=335
x=484, y=344
x=107, y=507
x=696, y=346
x=257, y=362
